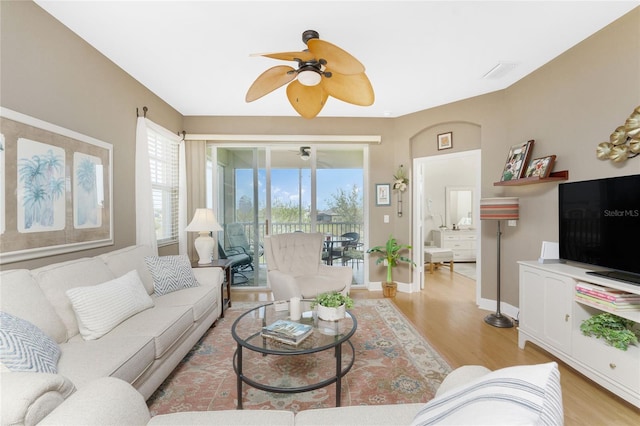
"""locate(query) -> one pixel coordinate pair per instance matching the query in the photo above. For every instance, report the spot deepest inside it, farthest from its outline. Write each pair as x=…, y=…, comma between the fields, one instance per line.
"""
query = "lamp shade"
x=204, y=221
x=501, y=208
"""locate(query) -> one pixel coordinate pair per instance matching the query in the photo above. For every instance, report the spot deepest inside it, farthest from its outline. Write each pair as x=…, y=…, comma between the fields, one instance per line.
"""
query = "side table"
x=225, y=264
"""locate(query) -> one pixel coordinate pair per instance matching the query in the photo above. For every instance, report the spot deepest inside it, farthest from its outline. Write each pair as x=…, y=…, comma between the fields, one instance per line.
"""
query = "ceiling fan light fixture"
x=309, y=77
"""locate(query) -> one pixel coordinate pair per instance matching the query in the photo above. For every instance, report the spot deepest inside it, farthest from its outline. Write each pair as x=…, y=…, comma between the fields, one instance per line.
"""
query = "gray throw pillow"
x=24, y=347
x=170, y=273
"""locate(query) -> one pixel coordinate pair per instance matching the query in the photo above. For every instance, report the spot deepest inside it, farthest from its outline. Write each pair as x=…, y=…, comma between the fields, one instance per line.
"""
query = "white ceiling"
x=195, y=55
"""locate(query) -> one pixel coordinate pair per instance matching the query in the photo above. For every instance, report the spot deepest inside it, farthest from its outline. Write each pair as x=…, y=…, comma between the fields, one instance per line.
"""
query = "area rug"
x=393, y=364
x=466, y=269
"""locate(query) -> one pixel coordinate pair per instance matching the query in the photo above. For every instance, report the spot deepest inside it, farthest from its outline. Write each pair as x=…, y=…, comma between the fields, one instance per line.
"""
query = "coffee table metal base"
x=337, y=379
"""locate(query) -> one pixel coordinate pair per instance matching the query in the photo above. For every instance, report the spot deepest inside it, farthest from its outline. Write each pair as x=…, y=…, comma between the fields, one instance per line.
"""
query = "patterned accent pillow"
x=523, y=395
x=24, y=347
x=100, y=308
x=170, y=273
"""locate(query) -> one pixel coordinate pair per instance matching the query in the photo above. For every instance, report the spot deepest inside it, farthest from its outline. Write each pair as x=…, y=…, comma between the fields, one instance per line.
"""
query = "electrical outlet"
x=385, y=218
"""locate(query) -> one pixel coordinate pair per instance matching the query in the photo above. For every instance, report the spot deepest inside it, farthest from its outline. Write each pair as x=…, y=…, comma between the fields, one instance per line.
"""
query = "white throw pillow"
x=170, y=273
x=24, y=347
x=100, y=308
x=521, y=395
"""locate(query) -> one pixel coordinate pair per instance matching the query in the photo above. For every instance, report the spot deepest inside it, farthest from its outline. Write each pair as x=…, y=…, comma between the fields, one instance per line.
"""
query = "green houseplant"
x=332, y=305
x=616, y=331
x=390, y=253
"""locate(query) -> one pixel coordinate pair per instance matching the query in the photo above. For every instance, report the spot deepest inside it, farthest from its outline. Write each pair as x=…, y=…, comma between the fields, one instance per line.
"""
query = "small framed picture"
x=383, y=194
x=445, y=140
x=540, y=167
x=517, y=161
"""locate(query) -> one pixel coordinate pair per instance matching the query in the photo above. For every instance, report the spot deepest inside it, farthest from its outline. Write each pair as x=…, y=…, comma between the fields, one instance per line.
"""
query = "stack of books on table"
x=617, y=300
x=286, y=331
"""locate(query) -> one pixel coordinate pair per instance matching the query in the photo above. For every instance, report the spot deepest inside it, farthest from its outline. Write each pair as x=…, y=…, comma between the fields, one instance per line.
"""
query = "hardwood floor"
x=446, y=314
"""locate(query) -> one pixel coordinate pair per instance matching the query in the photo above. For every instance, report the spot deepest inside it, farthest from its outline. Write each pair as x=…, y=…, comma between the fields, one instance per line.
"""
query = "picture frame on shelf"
x=517, y=161
x=540, y=167
x=445, y=141
x=383, y=194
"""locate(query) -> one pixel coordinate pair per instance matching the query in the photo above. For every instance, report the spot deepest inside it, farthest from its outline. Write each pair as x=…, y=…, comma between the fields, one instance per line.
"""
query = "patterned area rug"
x=393, y=364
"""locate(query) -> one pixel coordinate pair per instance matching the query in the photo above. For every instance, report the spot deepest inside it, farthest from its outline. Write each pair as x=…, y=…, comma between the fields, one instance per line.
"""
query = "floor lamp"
x=503, y=208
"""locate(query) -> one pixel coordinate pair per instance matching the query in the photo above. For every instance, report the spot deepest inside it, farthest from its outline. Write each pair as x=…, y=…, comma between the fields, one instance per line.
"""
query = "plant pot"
x=331, y=314
x=389, y=289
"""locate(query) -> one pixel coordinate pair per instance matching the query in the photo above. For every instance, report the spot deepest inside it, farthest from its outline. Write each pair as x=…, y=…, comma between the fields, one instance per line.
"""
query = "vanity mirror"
x=459, y=207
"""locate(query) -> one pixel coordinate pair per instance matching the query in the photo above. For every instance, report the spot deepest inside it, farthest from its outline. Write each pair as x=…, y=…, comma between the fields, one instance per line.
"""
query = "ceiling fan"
x=323, y=70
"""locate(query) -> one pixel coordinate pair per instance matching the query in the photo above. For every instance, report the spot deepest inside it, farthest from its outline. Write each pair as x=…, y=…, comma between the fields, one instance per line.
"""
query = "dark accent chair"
x=239, y=262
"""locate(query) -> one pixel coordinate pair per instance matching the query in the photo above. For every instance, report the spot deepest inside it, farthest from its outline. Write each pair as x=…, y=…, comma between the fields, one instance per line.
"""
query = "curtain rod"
x=144, y=109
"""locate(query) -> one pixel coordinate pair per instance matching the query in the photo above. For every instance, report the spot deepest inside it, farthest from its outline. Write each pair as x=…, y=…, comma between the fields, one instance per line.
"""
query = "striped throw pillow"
x=100, y=308
x=24, y=347
x=523, y=395
x=170, y=273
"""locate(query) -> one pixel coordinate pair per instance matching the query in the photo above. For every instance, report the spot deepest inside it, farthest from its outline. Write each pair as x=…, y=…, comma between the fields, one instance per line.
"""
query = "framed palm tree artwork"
x=62, y=181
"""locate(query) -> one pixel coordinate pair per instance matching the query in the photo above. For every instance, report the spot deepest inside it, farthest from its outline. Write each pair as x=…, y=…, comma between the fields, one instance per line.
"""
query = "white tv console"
x=550, y=317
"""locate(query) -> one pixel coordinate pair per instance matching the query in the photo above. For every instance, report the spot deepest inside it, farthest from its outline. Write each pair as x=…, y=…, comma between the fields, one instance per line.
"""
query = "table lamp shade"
x=502, y=208
x=204, y=221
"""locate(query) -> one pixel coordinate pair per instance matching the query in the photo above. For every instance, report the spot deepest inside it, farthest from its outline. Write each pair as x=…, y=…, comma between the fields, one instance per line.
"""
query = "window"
x=163, y=165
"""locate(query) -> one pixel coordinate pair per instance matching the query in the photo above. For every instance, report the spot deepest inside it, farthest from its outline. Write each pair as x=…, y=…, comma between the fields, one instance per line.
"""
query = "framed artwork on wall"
x=540, y=167
x=445, y=140
x=383, y=194
x=56, y=193
x=517, y=161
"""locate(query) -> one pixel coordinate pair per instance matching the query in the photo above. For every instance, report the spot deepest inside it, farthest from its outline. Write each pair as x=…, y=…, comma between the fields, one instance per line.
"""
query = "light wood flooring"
x=446, y=314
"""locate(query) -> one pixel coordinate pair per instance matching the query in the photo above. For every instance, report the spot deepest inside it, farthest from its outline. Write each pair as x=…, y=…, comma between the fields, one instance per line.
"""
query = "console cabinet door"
x=545, y=307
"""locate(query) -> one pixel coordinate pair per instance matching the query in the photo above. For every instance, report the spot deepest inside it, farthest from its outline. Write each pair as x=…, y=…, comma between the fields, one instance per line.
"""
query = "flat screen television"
x=600, y=226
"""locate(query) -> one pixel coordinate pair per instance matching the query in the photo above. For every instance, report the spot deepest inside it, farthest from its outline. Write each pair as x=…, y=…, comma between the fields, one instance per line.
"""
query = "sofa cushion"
x=124, y=357
x=201, y=300
x=21, y=296
x=24, y=347
x=56, y=279
x=124, y=260
x=99, y=308
x=528, y=394
x=164, y=325
x=170, y=273
x=396, y=414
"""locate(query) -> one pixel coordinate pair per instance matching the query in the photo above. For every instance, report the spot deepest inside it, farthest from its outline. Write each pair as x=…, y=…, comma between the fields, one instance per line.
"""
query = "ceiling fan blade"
x=337, y=59
x=303, y=56
x=355, y=89
x=308, y=101
x=269, y=81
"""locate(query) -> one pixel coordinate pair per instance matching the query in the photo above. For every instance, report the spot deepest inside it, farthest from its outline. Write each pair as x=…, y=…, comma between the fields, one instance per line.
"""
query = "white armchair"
x=295, y=268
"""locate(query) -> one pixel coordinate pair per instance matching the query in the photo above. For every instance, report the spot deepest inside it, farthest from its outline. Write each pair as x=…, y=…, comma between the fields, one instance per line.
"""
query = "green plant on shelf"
x=332, y=299
x=616, y=331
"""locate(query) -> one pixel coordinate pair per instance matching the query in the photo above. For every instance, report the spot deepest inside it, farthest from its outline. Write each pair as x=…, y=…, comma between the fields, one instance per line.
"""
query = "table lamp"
x=503, y=208
x=204, y=222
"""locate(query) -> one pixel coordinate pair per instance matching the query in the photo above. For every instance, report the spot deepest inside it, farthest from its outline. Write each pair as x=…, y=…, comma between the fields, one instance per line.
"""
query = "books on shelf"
x=616, y=300
x=286, y=331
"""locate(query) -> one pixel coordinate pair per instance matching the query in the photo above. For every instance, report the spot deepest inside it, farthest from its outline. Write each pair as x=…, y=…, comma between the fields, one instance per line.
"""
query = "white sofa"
x=470, y=395
x=142, y=350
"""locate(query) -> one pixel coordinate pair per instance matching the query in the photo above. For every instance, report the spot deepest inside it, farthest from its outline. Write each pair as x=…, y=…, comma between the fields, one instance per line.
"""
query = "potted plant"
x=332, y=305
x=390, y=253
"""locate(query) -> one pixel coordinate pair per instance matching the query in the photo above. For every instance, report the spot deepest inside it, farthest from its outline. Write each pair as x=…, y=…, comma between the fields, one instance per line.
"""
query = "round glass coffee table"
x=272, y=366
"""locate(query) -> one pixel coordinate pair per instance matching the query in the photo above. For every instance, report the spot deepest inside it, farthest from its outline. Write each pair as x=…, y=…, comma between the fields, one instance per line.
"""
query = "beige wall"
x=568, y=106
x=51, y=74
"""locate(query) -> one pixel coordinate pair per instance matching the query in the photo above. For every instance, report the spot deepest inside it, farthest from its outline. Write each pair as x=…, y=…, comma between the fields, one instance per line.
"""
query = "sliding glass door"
x=274, y=189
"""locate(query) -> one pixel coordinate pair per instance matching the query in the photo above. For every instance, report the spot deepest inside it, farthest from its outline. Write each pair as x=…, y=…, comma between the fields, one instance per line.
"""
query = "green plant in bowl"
x=332, y=299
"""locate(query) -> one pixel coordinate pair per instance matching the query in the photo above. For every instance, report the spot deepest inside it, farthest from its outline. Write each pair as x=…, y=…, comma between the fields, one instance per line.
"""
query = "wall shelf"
x=553, y=177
